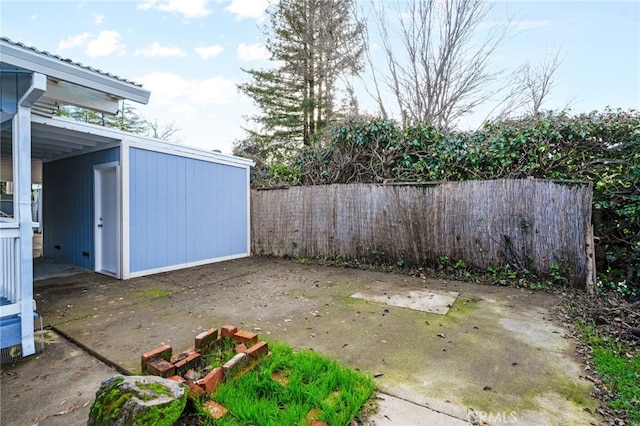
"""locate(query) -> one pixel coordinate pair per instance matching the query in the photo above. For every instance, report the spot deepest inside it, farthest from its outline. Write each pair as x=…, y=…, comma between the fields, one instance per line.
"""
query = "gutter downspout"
x=22, y=180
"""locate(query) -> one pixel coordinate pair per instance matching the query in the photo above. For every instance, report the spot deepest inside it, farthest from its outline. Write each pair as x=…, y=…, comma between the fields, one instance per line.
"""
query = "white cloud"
x=252, y=52
x=207, y=52
x=107, y=43
x=187, y=96
x=214, y=90
x=74, y=41
x=188, y=8
x=146, y=5
x=253, y=9
x=164, y=51
x=97, y=19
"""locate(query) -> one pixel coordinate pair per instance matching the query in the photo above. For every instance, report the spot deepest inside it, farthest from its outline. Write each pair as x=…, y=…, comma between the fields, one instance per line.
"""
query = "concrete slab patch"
x=396, y=411
x=45, y=268
x=418, y=299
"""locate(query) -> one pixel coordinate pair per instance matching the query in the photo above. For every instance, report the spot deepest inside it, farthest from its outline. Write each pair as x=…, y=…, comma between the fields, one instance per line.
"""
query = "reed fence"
x=529, y=225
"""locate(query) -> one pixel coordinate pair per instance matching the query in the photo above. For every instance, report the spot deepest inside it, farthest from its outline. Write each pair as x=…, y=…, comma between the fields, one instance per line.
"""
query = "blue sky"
x=189, y=53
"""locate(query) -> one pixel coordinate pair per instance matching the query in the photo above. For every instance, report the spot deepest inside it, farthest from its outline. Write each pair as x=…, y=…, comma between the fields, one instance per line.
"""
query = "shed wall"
x=184, y=211
x=68, y=207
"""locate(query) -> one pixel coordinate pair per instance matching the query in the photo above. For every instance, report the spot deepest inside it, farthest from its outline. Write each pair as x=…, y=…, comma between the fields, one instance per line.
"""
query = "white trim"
x=137, y=141
x=125, y=230
x=248, y=186
x=13, y=309
x=186, y=265
x=188, y=152
x=79, y=126
x=21, y=144
x=97, y=197
x=33, y=93
x=83, y=152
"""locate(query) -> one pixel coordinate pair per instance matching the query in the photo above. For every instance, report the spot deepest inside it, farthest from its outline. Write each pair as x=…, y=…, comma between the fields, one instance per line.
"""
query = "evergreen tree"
x=127, y=119
x=314, y=43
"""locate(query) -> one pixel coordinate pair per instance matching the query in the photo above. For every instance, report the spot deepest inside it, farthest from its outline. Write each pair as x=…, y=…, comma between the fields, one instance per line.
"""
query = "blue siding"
x=68, y=207
x=184, y=210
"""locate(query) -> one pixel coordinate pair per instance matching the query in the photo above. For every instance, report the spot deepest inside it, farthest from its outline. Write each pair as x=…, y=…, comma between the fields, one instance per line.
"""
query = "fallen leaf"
x=71, y=409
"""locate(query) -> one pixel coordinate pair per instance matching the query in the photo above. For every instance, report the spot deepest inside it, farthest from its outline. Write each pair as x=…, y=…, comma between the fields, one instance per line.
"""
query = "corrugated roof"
x=68, y=61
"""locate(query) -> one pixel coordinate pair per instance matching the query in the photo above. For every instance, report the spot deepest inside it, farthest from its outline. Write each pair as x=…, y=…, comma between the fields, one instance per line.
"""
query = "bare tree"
x=526, y=89
x=538, y=80
x=440, y=72
x=166, y=132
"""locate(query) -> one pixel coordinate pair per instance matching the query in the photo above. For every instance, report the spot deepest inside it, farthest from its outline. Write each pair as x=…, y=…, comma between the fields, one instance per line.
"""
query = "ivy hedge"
x=600, y=147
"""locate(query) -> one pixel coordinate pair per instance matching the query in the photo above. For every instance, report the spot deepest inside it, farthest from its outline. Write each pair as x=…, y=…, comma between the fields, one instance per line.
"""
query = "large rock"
x=137, y=400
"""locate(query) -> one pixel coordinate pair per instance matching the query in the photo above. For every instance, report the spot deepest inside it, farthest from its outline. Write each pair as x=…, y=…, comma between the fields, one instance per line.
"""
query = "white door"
x=107, y=219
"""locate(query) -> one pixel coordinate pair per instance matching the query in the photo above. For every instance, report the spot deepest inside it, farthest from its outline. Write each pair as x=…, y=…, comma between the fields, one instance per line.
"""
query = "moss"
x=151, y=293
x=107, y=408
x=158, y=388
x=165, y=416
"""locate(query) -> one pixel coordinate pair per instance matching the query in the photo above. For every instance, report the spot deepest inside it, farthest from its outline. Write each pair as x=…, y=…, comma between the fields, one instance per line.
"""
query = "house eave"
x=59, y=69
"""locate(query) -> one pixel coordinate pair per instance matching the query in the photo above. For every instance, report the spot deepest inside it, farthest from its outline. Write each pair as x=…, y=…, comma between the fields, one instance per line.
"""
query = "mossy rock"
x=137, y=400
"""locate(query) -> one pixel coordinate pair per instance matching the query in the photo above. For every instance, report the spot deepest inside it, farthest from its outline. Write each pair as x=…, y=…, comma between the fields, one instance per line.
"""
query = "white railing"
x=9, y=268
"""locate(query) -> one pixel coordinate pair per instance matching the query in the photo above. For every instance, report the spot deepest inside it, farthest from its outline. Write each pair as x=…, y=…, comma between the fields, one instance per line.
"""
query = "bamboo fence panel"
x=526, y=224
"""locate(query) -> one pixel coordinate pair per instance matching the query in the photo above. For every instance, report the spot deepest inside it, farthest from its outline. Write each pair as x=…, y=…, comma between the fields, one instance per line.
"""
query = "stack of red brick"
x=182, y=367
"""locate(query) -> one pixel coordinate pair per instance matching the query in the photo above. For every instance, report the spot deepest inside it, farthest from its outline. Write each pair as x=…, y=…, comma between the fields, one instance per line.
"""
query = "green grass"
x=220, y=354
x=619, y=368
x=312, y=383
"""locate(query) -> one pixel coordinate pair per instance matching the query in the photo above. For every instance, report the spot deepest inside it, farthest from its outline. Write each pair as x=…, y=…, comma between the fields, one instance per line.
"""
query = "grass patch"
x=619, y=368
x=152, y=293
x=285, y=387
x=220, y=354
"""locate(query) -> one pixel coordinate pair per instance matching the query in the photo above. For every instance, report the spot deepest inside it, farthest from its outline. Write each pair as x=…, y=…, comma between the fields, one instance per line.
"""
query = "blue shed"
x=141, y=206
x=113, y=202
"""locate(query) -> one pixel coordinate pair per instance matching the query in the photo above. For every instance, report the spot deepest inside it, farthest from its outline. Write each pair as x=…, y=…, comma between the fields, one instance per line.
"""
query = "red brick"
x=187, y=363
x=178, y=379
x=211, y=381
x=159, y=367
x=195, y=391
x=258, y=351
x=163, y=352
x=278, y=377
x=184, y=354
x=246, y=337
x=234, y=366
x=204, y=339
x=241, y=348
x=229, y=330
x=214, y=409
x=313, y=414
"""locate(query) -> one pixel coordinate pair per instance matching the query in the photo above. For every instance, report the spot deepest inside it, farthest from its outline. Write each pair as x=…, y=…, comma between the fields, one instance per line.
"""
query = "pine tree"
x=314, y=43
x=126, y=119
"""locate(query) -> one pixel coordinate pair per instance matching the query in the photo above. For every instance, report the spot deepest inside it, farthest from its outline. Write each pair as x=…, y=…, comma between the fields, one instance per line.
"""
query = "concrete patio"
x=498, y=355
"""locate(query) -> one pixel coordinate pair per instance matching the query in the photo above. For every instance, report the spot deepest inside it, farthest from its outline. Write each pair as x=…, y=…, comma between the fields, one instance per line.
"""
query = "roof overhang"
x=59, y=70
